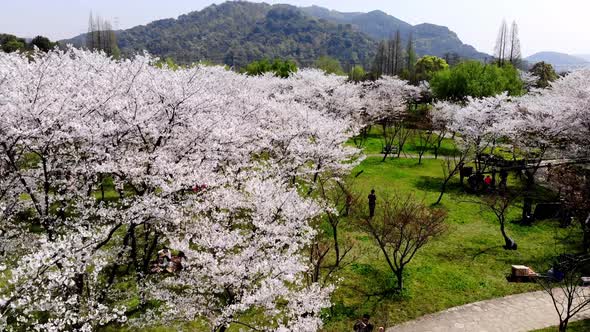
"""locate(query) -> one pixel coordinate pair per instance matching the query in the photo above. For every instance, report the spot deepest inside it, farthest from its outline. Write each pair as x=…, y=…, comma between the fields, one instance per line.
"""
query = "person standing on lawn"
x=372, y=203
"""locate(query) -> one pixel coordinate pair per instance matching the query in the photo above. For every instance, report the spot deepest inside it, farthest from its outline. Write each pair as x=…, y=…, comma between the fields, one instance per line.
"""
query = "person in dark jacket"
x=372, y=203
x=363, y=325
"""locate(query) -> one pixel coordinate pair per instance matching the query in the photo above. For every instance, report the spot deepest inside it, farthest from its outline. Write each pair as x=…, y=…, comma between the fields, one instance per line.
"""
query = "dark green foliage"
x=11, y=43
x=545, y=72
x=475, y=79
x=43, y=43
x=281, y=68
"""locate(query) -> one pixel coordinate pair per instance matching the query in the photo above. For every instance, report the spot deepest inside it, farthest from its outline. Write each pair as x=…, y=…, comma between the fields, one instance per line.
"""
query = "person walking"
x=372, y=203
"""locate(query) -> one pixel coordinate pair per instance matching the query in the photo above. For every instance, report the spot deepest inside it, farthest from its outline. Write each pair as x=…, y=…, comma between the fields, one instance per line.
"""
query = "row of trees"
x=507, y=49
x=11, y=43
x=101, y=36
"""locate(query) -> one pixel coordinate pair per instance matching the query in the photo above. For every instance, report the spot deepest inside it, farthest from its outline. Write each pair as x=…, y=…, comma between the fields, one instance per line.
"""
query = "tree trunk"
x=400, y=281
x=563, y=326
x=336, y=246
x=509, y=243
x=442, y=192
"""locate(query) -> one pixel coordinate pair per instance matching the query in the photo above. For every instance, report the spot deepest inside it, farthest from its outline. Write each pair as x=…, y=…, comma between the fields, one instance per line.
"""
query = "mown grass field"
x=374, y=144
x=465, y=265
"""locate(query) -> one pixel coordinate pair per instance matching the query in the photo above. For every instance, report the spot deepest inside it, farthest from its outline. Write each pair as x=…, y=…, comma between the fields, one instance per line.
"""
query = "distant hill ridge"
x=561, y=61
x=429, y=39
x=236, y=33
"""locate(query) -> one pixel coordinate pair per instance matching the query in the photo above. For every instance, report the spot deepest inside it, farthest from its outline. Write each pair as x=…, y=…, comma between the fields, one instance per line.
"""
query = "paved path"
x=515, y=313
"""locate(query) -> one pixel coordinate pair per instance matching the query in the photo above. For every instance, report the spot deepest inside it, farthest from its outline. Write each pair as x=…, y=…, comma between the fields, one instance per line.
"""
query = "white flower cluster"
x=103, y=162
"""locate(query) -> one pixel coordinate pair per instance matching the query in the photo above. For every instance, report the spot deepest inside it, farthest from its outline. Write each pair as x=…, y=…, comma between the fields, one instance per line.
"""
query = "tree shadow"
x=372, y=288
x=433, y=184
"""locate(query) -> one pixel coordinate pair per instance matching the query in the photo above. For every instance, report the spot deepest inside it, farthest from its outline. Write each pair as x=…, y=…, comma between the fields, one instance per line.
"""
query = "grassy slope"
x=581, y=326
x=374, y=144
x=466, y=265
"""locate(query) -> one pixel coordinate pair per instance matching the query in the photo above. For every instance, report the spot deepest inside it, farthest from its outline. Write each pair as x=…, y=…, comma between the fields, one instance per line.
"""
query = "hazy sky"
x=545, y=25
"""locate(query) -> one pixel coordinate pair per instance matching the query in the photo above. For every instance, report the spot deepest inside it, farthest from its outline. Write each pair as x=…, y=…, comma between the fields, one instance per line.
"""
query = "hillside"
x=429, y=38
x=236, y=33
x=561, y=61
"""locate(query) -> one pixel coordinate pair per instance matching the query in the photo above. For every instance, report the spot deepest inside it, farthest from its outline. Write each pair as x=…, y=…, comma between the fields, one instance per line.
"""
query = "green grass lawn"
x=580, y=326
x=465, y=265
x=374, y=144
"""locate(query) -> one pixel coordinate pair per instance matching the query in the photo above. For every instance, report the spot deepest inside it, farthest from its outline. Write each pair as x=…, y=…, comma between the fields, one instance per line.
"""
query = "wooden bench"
x=392, y=150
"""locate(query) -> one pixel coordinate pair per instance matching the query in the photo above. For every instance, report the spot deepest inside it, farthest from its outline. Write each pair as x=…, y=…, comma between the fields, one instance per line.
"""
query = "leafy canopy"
x=329, y=65
x=475, y=79
x=545, y=72
x=427, y=66
x=280, y=68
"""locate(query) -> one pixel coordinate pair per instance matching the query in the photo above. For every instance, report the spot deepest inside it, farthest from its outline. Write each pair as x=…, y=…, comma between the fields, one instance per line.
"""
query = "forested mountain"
x=429, y=39
x=236, y=33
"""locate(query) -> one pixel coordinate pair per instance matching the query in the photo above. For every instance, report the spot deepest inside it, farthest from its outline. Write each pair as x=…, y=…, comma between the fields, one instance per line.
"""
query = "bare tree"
x=451, y=167
x=573, y=184
x=344, y=200
x=398, y=54
x=404, y=134
x=390, y=130
x=360, y=140
x=440, y=136
x=515, y=54
x=101, y=36
x=562, y=285
x=423, y=140
x=502, y=43
x=405, y=226
x=499, y=205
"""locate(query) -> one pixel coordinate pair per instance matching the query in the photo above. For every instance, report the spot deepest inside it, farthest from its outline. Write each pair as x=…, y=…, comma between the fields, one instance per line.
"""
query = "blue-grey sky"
x=545, y=25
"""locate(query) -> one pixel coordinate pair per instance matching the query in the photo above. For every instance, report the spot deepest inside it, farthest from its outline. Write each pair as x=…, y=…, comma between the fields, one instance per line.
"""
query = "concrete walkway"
x=515, y=313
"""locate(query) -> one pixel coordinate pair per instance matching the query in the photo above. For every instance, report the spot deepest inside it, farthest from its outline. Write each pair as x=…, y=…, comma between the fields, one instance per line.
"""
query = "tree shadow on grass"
x=367, y=290
x=433, y=184
x=475, y=252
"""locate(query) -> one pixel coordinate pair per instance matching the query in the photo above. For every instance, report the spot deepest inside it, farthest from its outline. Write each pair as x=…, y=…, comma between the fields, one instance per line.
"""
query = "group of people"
x=167, y=262
x=478, y=182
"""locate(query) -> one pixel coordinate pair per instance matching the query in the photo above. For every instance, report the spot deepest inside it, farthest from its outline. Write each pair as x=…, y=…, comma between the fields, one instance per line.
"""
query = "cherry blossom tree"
x=98, y=158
